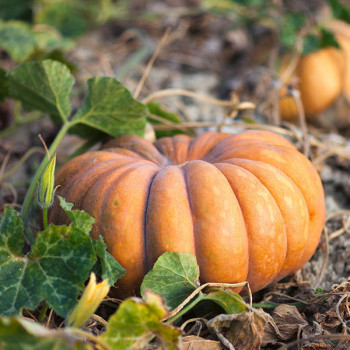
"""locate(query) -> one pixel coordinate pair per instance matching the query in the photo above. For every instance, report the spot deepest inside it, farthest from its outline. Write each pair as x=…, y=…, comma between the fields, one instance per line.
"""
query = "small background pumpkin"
x=321, y=76
x=249, y=206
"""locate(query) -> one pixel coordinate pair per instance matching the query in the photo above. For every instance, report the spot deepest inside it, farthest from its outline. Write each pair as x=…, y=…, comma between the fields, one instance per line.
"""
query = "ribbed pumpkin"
x=249, y=205
x=322, y=76
x=320, y=81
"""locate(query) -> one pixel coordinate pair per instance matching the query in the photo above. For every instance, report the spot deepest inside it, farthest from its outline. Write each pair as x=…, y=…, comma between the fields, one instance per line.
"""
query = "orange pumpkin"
x=249, y=205
x=320, y=78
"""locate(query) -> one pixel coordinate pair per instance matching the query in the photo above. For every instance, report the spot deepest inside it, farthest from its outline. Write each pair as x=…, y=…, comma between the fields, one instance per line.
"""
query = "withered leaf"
x=288, y=320
x=240, y=331
x=329, y=321
x=193, y=342
x=284, y=324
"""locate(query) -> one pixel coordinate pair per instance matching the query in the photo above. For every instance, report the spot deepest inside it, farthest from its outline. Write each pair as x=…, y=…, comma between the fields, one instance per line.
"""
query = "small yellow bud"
x=89, y=302
x=46, y=185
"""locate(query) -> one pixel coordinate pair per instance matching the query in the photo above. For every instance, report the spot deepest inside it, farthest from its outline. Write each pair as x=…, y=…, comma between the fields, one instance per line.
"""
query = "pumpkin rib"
x=255, y=136
x=267, y=240
x=95, y=193
x=289, y=199
x=181, y=145
x=203, y=144
x=234, y=141
x=75, y=188
x=121, y=218
x=124, y=152
x=175, y=148
x=82, y=163
x=89, y=205
x=219, y=228
x=169, y=223
x=190, y=206
x=166, y=148
x=145, y=222
x=138, y=145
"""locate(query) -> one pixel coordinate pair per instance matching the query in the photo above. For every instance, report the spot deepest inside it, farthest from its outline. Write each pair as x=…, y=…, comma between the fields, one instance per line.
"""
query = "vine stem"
x=186, y=309
x=33, y=185
x=43, y=313
x=45, y=218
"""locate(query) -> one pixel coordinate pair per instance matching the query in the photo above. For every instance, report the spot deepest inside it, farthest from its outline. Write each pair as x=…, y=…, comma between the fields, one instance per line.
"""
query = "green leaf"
x=174, y=276
x=318, y=291
x=65, y=16
x=231, y=302
x=311, y=43
x=340, y=10
x=110, y=108
x=15, y=9
x=56, y=268
x=157, y=110
x=11, y=235
x=106, y=267
x=51, y=40
x=64, y=256
x=328, y=39
x=3, y=85
x=17, y=40
x=290, y=27
x=137, y=322
x=17, y=333
x=45, y=86
x=79, y=218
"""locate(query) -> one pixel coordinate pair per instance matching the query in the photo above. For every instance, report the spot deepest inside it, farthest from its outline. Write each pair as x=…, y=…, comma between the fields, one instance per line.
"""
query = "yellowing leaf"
x=137, y=322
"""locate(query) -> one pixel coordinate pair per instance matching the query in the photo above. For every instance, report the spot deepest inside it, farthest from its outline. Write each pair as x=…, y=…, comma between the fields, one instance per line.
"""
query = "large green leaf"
x=174, y=277
x=17, y=333
x=136, y=322
x=45, y=86
x=55, y=269
x=110, y=108
x=17, y=40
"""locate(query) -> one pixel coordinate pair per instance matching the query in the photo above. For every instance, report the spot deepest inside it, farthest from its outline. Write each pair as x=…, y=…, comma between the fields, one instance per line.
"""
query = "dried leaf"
x=192, y=342
x=318, y=346
x=288, y=320
x=329, y=321
x=284, y=324
x=240, y=331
